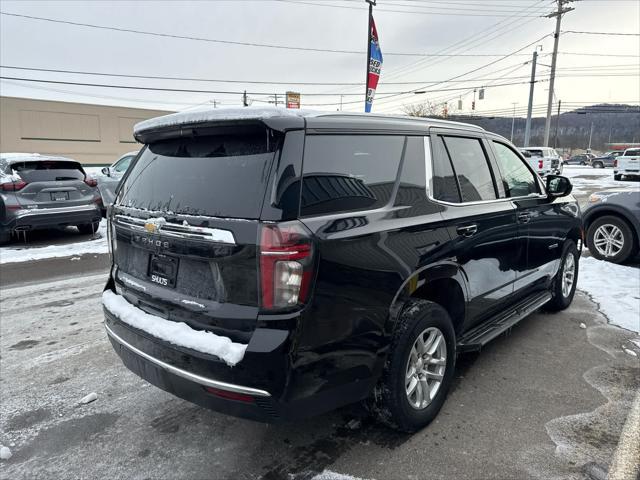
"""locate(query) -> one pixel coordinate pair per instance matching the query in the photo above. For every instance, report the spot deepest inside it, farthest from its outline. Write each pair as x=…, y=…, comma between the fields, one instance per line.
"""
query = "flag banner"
x=375, y=66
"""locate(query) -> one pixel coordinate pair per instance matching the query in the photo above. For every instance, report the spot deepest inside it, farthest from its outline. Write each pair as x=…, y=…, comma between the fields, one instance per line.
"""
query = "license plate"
x=59, y=196
x=163, y=270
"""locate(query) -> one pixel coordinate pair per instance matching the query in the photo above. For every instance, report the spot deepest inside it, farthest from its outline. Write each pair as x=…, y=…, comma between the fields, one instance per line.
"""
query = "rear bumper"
x=33, y=219
x=265, y=386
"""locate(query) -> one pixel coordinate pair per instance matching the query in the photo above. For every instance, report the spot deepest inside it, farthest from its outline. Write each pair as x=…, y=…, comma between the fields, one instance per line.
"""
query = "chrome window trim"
x=205, y=381
x=429, y=180
x=216, y=235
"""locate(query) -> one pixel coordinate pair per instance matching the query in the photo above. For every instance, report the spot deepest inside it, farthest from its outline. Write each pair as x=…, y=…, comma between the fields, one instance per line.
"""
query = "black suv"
x=276, y=265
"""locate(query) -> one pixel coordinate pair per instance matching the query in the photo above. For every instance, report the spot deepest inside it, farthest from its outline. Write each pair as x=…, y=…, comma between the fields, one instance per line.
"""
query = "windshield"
x=214, y=175
x=47, y=171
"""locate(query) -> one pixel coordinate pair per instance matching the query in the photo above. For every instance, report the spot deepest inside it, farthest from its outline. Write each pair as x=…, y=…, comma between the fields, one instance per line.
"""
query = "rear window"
x=221, y=175
x=536, y=153
x=48, y=171
x=343, y=173
x=632, y=153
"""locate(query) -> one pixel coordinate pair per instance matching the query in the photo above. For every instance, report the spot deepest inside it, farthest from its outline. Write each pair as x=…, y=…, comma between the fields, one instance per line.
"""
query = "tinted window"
x=444, y=186
x=632, y=153
x=536, y=153
x=349, y=172
x=214, y=175
x=517, y=179
x=47, y=171
x=471, y=168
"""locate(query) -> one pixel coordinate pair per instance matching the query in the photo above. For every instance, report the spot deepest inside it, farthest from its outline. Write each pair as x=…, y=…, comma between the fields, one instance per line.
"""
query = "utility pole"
x=341, y=102
x=556, y=39
x=369, y=19
x=527, y=128
x=590, y=135
x=276, y=99
x=244, y=99
x=513, y=119
x=555, y=137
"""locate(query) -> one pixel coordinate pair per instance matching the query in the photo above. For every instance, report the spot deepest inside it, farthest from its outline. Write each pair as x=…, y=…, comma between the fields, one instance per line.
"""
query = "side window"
x=444, y=185
x=123, y=164
x=517, y=179
x=471, y=168
x=343, y=173
x=413, y=177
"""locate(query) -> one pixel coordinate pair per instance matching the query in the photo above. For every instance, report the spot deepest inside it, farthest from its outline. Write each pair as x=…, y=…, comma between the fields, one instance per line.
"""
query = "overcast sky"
x=469, y=27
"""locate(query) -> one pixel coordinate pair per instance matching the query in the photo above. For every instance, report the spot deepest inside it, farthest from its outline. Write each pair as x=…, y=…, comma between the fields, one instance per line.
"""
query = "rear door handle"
x=524, y=217
x=467, y=231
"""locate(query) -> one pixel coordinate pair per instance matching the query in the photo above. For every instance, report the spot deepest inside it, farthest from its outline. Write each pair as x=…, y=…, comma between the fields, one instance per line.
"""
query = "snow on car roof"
x=209, y=114
x=35, y=157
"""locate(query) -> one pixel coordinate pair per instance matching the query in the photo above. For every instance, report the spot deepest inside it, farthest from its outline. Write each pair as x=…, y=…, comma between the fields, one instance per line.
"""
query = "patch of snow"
x=588, y=179
x=177, y=333
x=75, y=259
x=620, y=300
x=5, y=453
x=207, y=113
x=131, y=283
x=636, y=343
x=630, y=352
x=191, y=302
x=92, y=397
x=582, y=325
x=329, y=475
x=27, y=253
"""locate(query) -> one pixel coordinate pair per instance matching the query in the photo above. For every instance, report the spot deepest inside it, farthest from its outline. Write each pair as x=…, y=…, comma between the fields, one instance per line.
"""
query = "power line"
x=625, y=34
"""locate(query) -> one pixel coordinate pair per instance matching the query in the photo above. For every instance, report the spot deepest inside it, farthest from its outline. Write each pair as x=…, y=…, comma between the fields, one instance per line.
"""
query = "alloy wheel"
x=608, y=240
x=425, y=368
x=568, y=274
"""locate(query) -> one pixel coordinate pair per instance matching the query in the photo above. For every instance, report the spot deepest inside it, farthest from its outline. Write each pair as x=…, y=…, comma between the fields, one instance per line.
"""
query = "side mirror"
x=106, y=171
x=558, y=186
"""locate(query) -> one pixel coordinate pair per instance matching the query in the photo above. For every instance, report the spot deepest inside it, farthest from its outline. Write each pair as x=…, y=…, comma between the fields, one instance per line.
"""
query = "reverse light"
x=286, y=265
x=13, y=186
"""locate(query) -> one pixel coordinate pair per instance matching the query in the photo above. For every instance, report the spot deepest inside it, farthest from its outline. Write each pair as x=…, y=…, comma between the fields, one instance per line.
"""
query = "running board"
x=478, y=336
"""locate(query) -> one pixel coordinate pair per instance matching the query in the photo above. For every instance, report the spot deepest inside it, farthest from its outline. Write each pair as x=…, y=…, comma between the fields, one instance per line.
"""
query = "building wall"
x=91, y=134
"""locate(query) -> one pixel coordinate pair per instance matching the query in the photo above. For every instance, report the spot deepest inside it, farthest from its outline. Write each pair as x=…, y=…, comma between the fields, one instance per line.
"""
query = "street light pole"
x=590, y=135
x=513, y=119
x=527, y=128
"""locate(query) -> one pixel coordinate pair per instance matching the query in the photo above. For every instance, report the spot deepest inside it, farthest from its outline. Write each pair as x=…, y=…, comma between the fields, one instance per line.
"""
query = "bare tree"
x=425, y=109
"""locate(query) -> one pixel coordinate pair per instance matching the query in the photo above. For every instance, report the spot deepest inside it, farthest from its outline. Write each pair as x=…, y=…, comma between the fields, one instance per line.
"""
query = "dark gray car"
x=112, y=175
x=612, y=223
x=38, y=192
x=606, y=160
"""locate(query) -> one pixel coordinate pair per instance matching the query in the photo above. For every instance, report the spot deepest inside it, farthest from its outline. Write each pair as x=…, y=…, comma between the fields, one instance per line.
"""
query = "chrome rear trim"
x=177, y=230
x=205, y=381
x=55, y=210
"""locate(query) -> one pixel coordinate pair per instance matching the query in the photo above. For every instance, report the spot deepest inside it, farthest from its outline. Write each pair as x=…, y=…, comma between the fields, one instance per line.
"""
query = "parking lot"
x=547, y=400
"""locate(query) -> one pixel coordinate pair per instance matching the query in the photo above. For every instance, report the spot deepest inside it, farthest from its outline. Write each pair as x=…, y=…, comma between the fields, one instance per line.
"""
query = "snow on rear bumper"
x=176, y=333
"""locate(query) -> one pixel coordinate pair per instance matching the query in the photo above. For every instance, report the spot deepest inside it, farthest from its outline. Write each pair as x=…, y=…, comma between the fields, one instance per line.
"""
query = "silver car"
x=39, y=192
x=108, y=183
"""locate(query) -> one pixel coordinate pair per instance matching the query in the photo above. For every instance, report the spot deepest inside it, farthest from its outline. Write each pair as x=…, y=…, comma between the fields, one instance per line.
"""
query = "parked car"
x=39, y=191
x=627, y=164
x=108, y=183
x=582, y=159
x=548, y=155
x=254, y=283
x=612, y=223
x=540, y=165
x=606, y=160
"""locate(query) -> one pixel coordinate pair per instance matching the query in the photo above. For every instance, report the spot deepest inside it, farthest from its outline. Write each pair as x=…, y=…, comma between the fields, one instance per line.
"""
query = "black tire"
x=582, y=164
x=597, y=165
x=393, y=405
x=561, y=300
x=617, y=177
x=88, y=228
x=5, y=236
x=628, y=239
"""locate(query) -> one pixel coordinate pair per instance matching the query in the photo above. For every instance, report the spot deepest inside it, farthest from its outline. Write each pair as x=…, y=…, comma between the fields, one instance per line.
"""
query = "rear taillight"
x=286, y=265
x=540, y=164
x=615, y=163
x=92, y=182
x=13, y=186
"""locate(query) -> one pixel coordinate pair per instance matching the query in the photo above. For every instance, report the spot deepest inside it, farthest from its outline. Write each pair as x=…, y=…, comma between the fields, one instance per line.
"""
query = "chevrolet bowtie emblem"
x=151, y=227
